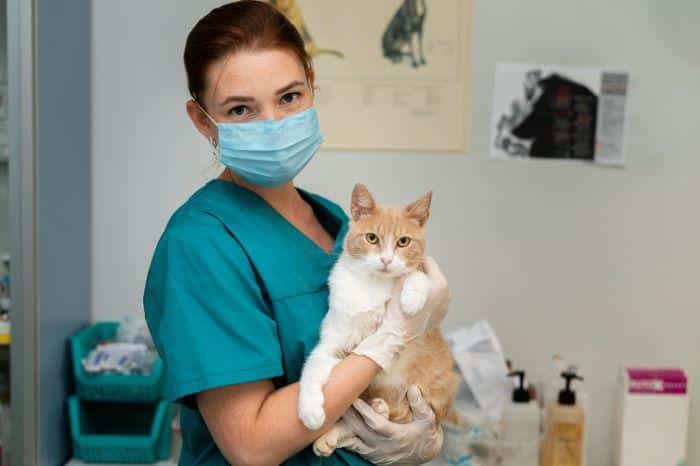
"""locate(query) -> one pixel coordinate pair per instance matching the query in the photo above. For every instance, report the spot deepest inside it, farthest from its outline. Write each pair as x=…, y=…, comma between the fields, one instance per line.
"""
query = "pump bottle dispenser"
x=521, y=427
x=564, y=431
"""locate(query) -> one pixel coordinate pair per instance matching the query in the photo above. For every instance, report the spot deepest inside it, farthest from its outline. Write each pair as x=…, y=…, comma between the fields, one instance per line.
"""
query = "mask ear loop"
x=212, y=141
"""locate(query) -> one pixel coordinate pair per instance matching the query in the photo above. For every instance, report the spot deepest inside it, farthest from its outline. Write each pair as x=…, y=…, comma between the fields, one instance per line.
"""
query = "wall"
x=63, y=207
x=4, y=214
x=4, y=190
x=597, y=263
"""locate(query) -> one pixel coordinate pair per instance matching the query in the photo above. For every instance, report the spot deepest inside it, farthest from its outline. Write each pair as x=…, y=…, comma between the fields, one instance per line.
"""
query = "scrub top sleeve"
x=206, y=311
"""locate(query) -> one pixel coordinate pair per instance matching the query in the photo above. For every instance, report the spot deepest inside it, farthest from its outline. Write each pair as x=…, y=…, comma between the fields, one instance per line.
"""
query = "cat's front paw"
x=326, y=444
x=415, y=293
x=311, y=411
x=380, y=407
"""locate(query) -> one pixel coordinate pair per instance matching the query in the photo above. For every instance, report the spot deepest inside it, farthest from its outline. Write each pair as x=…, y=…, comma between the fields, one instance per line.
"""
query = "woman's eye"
x=371, y=238
x=240, y=110
x=290, y=97
x=403, y=241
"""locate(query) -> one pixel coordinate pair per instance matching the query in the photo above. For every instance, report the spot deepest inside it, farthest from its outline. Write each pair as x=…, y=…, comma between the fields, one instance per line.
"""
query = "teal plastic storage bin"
x=105, y=432
x=111, y=387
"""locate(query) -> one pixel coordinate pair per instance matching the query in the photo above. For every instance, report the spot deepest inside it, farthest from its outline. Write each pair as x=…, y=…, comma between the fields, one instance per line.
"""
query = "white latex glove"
x=381, y=441
x=398, y=328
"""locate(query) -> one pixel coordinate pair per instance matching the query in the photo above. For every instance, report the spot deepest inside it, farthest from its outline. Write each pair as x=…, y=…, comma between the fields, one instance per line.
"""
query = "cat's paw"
x=311, y=411
x=415, y=293
x=380, y=407
x=326, y=444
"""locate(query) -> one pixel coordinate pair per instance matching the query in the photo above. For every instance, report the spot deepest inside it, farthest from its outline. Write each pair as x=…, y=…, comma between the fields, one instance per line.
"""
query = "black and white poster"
x=550, y=112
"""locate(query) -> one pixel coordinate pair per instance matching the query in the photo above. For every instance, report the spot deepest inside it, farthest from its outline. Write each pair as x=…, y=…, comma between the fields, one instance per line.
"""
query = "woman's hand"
x=398, y=328
x=382, y=442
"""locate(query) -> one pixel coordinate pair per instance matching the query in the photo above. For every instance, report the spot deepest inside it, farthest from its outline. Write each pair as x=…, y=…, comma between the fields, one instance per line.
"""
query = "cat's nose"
x=386, y=260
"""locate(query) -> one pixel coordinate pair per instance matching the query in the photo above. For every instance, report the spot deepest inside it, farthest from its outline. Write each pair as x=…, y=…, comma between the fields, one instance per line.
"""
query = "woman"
x=237, y=288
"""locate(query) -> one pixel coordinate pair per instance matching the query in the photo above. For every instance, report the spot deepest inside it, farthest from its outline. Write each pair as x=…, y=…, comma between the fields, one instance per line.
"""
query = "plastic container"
x=564, y=438
x=111, y=387
x=521, y=427
x=117, y=433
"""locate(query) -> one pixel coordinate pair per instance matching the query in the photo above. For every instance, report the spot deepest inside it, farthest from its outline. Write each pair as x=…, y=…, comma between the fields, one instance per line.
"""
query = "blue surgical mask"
x=269, y=152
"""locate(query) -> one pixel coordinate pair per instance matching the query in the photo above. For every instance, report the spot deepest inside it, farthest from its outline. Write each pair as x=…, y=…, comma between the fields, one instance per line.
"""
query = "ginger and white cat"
x=383, y=244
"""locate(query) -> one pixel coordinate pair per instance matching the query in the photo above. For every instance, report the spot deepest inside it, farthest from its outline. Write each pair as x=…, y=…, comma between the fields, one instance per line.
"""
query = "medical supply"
x=121, y=358
x=5, y=301
x=563, y=443
x=133, y=329
x=479, y=357
x=521, y=427
x=470, y=442
x=268, y=152
x=652, y=427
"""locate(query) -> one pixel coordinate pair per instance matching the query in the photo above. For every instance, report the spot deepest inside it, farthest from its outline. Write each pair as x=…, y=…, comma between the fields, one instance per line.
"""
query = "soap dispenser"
x=564, y=431
x=521, y=426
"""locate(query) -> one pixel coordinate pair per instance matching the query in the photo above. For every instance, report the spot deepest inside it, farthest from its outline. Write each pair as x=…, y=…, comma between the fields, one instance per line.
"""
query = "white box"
x=653, y=417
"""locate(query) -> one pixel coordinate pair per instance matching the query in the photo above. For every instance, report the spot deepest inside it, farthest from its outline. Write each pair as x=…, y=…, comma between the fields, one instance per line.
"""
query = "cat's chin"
x=382, y=273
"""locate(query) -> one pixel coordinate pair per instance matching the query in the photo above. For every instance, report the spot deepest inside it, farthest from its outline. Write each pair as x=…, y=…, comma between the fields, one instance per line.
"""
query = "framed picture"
x=391, y=74
x=559, y=112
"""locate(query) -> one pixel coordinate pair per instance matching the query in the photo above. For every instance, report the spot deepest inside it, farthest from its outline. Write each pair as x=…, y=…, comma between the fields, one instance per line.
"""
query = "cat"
x=383, y=243
x=291, y=9
x=404, y=34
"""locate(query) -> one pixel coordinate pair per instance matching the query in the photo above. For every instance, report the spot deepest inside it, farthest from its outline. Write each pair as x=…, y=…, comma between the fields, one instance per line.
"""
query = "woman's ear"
x=201, y=121
x=311, y=78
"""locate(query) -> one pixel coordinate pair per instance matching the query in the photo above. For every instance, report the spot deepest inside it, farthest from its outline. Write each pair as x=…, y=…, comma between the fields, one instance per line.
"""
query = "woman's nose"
x=271, y=114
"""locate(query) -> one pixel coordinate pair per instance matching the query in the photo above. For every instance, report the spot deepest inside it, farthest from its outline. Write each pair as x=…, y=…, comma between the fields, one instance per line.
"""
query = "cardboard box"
x=653, y=417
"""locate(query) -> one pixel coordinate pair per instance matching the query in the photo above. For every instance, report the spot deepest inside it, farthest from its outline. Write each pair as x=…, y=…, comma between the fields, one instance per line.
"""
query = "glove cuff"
x=381, y=347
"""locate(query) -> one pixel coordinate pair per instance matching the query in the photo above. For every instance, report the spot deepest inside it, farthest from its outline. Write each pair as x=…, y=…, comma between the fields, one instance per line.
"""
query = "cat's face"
x=384, y=240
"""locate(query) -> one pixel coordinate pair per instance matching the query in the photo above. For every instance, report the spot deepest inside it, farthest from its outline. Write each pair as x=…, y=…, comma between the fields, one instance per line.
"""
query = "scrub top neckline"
x=320, y=211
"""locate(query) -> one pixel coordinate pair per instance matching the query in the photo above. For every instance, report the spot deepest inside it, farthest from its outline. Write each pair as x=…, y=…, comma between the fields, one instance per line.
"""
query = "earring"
x=214, y=147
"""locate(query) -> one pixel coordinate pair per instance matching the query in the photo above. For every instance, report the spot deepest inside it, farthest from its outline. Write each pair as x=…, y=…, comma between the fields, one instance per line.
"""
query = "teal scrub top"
x=235, y=293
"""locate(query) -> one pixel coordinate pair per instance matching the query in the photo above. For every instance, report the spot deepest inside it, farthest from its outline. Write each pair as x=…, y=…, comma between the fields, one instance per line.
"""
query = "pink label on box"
x=657, y=381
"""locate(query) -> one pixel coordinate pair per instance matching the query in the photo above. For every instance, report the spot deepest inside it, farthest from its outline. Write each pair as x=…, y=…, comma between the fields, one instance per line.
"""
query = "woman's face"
x=250, y=86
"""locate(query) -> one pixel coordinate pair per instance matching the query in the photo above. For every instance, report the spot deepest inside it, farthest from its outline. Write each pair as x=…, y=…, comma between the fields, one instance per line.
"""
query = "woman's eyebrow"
x=240, y=98
x=288, y=87
x=236, y=98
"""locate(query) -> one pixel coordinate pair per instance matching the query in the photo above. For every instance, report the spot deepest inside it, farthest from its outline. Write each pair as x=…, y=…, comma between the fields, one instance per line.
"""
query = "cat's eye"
x=371, y=238
x=403, y=241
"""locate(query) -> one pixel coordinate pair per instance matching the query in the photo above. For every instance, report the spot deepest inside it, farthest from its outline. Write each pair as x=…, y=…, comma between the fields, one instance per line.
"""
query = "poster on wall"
x=557, y=112
x=391, y=74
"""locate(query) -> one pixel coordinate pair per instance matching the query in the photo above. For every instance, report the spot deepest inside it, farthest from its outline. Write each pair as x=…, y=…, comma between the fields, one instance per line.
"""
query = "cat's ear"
x=362, y=202
x=420, y=210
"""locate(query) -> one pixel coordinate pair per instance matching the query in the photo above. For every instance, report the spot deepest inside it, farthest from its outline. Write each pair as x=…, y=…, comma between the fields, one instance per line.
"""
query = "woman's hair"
x=241, y=25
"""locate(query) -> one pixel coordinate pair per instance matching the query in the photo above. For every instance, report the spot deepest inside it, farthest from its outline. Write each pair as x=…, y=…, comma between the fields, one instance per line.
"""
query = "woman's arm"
x=255, y=425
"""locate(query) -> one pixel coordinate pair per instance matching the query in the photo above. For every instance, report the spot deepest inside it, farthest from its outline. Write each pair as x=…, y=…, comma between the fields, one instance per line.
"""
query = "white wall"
x=599, y=264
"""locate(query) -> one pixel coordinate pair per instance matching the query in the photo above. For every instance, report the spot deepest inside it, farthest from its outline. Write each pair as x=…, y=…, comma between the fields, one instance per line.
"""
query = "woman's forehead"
x=254, y=73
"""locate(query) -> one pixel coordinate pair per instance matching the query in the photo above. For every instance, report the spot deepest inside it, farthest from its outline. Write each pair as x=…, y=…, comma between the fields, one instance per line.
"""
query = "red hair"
x=241, y=25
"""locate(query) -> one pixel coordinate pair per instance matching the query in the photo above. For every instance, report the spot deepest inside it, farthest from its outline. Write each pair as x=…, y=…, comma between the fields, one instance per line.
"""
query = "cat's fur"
x=404, y=34
x=360, y=285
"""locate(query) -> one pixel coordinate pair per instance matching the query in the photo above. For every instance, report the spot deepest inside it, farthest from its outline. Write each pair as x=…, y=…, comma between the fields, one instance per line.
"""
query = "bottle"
x=565, y=427
x=521, y=427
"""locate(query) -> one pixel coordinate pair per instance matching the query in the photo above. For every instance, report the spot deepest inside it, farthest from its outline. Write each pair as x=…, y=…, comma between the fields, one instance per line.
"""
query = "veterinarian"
x=236, y=290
